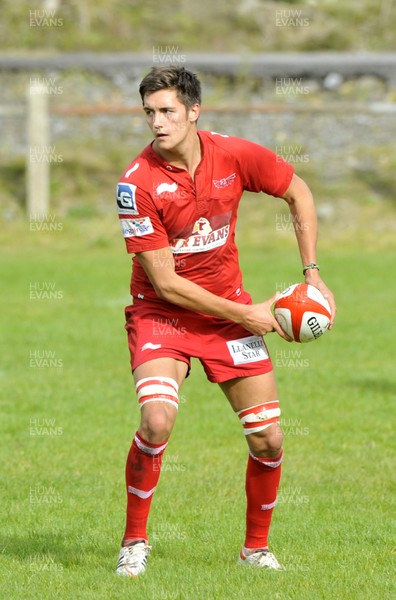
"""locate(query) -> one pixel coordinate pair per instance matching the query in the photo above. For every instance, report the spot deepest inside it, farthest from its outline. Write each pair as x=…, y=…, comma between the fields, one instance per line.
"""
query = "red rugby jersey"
x=160, y=205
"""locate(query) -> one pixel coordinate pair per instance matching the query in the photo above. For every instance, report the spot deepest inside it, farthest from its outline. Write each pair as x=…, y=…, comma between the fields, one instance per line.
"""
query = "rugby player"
x=177, y=204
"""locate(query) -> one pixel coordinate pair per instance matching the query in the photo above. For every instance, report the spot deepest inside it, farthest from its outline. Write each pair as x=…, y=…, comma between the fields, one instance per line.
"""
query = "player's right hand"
x=258, y=319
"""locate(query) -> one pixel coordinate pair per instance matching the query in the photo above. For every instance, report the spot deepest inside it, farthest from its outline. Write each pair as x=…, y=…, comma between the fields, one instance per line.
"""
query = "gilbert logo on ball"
x=302, y=312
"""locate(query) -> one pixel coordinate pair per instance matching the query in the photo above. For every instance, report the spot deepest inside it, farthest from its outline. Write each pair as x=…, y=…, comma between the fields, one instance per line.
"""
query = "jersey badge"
x=225, y=182
x=126, y=199
x=136, y=227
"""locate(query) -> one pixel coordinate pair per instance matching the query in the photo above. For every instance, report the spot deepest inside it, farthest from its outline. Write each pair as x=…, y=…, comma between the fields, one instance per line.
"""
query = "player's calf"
x=264, y=436
x=158, y=399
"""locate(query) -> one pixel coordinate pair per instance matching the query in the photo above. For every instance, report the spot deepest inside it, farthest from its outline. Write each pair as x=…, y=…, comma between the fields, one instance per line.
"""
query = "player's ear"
x=194, y=112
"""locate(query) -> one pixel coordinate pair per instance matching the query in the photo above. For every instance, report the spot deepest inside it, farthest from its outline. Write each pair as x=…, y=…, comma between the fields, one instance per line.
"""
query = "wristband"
x=311, y=266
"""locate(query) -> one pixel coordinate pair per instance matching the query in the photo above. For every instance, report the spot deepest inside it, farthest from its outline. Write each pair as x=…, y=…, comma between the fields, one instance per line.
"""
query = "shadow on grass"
x=44, y=549
x=380, y=385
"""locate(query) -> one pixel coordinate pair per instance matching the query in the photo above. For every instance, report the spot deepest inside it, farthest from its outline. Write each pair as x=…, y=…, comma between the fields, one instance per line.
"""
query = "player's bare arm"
x=302, y=208
x=169, y=286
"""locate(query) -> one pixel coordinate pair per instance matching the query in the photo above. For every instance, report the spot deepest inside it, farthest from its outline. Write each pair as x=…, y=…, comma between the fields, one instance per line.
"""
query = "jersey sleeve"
x=261, y=169
x=139, y=218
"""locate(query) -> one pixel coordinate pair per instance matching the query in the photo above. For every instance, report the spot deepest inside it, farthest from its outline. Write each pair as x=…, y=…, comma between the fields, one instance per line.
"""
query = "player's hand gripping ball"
x=302, y=312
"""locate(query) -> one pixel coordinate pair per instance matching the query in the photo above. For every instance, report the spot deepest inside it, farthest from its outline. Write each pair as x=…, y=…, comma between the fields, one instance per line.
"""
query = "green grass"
x=62, y=492
x=227, y=25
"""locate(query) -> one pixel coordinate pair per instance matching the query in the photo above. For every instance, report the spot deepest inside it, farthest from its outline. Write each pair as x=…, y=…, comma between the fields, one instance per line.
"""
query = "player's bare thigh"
x=244, y=392
x=158, y=418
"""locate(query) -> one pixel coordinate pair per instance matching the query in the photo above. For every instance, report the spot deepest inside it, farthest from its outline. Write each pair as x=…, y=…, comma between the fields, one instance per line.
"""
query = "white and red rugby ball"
x=302, y=312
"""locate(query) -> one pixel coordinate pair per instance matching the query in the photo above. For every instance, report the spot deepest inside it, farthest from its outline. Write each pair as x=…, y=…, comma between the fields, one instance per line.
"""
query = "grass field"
x=227, y=25
x=68, y=415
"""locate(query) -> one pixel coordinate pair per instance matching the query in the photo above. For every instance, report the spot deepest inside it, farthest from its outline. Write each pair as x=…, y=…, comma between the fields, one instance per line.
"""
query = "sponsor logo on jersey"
x=202, y=227
x=225, y=182
x=126, y=200
x=136, y=227
x=247, y=350
x=203, y=238
x=166, y=187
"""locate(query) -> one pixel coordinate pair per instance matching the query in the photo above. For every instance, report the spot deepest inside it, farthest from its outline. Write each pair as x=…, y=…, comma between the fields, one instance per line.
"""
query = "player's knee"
x=261, y=427
x=156, y=425
x=158, y=400
x=267, y=442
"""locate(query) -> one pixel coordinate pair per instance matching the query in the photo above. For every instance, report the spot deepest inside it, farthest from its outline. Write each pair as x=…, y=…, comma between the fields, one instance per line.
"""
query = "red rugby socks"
x=262, y=482
x=142, y=472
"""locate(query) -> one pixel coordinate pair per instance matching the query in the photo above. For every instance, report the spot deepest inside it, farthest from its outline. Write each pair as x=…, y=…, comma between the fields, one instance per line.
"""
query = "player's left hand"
x=312, y=277
x=259, y=319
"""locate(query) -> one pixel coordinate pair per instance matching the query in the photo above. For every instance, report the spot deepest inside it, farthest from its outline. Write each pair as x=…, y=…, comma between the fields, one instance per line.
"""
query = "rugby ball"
x=302, y=312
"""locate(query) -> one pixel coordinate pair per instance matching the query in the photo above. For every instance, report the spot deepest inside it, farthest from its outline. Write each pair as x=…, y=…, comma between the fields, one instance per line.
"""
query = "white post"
x=51, y=4
x=37, y=160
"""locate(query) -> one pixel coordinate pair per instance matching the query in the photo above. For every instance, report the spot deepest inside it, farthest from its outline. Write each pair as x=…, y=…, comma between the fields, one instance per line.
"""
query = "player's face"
x=168, y=119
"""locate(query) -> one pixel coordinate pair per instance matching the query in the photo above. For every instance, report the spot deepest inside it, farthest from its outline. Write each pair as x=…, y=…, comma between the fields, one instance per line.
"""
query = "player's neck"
x=186, y=155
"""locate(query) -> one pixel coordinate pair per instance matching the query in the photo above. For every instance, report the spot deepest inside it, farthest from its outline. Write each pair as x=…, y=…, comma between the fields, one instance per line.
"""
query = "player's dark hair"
x=186, y=84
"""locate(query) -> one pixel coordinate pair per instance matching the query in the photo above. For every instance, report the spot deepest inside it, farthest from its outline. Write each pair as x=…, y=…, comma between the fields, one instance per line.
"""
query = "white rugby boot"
x=133, y=559
x=263, y=559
